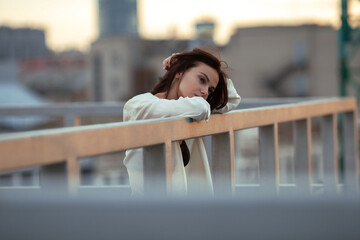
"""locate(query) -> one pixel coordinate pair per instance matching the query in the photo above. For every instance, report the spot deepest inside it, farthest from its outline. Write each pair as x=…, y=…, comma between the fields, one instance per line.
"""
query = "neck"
x=173, y=92
x=161, y=95
x=164, y=95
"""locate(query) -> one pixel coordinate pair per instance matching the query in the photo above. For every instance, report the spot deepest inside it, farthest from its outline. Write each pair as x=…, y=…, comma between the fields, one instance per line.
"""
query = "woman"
x=193, y=86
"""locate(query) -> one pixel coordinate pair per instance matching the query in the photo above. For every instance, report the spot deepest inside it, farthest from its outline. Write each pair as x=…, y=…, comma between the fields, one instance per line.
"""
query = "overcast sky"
x=73, y=23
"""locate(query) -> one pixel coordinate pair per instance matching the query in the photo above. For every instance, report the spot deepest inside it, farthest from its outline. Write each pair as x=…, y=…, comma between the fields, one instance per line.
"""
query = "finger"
x=166, y=63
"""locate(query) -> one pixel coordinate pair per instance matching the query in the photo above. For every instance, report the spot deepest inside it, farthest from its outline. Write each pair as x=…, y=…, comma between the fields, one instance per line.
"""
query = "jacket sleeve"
x=151, y=107
x=233, y=99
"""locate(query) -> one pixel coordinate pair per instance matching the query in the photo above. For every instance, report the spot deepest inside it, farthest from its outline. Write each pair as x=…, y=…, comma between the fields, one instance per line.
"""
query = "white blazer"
x=194, y=179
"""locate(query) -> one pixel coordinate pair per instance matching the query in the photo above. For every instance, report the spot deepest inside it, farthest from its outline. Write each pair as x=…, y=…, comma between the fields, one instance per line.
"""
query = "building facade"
x=22, y=43
x=284, y=61
x=122, y=67
x=277, y=61
x=111, y=69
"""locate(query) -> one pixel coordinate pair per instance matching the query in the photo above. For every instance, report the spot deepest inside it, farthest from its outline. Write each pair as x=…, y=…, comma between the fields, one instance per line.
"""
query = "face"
x=199, y=81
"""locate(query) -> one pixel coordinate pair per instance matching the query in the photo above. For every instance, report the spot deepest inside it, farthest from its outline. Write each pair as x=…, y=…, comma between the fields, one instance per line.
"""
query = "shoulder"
x=141, y=97
x=133, y=105
x=139, y=100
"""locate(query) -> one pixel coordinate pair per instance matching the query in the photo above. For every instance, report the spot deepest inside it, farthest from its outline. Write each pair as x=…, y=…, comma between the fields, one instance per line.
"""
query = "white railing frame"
x=58, y=151
x=70, y=112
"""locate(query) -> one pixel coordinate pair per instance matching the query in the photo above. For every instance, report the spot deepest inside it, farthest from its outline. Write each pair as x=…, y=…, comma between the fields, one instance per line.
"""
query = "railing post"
x=223, y=164
x=73, y=174
x=53, y=179
x=303, y=156
x=269, y=159
x=16, y=179
x=351, y=179
x=329, y=145
x=71, y=120
x=154, y=162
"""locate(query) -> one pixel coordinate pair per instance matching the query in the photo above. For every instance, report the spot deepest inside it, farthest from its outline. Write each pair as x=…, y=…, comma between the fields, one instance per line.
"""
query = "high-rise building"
x=22, y=43
x=118, y=18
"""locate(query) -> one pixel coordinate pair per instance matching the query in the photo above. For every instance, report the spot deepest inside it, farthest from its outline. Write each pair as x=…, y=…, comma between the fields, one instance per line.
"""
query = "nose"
x=204, y=92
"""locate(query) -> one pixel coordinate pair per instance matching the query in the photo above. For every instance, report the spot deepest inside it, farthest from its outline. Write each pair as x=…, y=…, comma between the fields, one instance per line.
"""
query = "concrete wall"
x=259, y=53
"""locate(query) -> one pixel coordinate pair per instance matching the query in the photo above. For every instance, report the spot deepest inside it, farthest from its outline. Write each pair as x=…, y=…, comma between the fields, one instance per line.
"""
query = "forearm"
x=233, y=99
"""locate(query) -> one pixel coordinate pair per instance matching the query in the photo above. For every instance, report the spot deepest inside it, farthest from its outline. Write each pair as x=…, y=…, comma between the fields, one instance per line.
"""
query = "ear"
x=178, y=76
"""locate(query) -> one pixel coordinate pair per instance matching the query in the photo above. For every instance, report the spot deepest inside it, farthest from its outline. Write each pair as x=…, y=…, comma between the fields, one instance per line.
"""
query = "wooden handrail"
x=53, y=146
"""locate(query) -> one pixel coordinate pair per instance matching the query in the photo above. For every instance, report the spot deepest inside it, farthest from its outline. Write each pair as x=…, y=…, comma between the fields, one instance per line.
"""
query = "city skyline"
x=73, y=23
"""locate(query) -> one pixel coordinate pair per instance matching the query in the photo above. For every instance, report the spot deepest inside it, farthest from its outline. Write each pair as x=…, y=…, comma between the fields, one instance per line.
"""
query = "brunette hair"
x=181, y=62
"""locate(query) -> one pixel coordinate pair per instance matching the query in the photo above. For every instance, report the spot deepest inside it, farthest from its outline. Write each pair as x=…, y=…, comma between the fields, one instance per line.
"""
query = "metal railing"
x=58, y=151
x=70, y=112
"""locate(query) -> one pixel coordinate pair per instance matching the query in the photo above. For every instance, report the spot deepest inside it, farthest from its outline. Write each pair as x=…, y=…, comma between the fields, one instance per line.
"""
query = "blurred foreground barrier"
x=83, y=219
x=58, y=151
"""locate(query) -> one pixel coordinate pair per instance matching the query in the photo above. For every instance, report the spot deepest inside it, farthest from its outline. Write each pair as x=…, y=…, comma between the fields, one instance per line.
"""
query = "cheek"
x=184, y=88
x=188, y=86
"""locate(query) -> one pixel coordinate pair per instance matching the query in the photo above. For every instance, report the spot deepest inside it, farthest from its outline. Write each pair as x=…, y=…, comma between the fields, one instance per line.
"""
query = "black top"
x=185, y=152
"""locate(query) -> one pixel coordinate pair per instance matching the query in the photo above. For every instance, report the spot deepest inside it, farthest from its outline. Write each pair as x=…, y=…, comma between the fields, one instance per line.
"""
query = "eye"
x=202, y=80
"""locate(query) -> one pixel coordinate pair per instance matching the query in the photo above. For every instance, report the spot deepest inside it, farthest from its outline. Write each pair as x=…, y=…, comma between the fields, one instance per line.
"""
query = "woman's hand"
x=166, y=62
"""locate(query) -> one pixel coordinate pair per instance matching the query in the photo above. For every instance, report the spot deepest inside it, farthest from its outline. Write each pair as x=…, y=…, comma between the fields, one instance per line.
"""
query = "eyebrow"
x=207, y=79
x=205, y=76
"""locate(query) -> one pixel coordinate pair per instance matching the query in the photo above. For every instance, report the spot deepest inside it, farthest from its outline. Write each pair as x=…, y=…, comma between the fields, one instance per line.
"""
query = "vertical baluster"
x=73, y=174
x=303, y=156
x=208, y=147
x=223, y=169
x=350, y=153
x=330, y=161
x=269, y=159
x=54, y=179
x=71, y=120
x=154, y=159
x=16, y=178
x=169, y=165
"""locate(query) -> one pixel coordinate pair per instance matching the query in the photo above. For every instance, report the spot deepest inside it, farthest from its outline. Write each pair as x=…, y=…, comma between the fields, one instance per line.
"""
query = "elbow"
x=237, y=101
x=203, y=111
